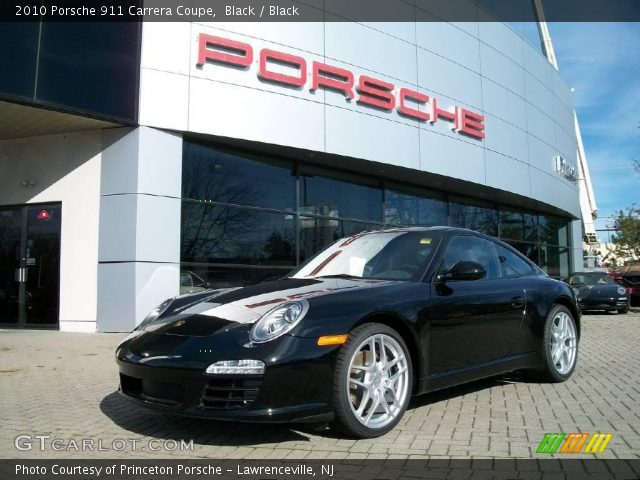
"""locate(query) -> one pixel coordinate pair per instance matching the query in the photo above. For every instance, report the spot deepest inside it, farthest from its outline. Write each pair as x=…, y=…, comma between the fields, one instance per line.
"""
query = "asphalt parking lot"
x=63, y=386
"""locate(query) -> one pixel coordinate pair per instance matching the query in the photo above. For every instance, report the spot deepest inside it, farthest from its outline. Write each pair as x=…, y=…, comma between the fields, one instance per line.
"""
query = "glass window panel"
x=216, y=175
x=405, y=209
x=198, y=278
x=218, y=234
x=91, y=66
x=512, y=265
x=529, y=250
x=554, y=230
x=335, y=198
x=474, y=249
x=317, y=233
x=18, y=52
x=473, y=215
x=518, y=226
x=554, y=261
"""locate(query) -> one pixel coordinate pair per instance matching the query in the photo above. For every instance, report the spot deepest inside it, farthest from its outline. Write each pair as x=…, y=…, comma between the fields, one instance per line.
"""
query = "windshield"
x=591, y=279
x=383, y=256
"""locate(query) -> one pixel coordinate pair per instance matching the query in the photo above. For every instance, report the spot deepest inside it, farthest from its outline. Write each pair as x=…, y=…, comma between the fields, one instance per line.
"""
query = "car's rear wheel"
x=560, y=349
x=373, y=381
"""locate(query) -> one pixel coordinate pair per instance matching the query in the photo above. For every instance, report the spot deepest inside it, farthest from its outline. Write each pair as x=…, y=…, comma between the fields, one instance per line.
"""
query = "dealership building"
x=142, y=161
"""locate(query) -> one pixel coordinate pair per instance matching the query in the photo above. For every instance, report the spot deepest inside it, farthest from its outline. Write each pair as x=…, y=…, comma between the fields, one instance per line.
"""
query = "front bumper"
x=605, y=303
x=295, y=387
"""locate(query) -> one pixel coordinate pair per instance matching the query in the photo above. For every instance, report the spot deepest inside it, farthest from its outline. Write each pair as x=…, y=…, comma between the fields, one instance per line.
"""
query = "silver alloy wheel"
x=378, y=382
x=563, y=343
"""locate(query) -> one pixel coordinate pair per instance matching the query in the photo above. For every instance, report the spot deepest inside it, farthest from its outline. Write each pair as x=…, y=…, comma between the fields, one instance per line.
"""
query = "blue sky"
x=601, y=61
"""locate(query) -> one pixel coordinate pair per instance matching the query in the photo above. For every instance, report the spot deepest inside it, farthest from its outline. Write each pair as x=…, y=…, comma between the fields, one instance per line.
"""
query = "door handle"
x=517, y=302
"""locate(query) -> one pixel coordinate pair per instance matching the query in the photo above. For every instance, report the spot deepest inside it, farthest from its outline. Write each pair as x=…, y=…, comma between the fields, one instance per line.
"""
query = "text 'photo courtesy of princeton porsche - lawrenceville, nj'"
x=319, y=239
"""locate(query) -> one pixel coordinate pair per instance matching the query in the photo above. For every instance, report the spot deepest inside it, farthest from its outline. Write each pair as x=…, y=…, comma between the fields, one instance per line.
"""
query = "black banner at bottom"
x=320, y=469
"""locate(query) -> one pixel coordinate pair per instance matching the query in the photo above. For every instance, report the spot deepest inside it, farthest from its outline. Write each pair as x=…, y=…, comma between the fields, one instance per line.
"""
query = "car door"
x=472, y=322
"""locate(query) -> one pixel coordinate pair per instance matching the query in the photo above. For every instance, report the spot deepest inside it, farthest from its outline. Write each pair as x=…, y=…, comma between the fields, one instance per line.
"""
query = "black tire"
x=550, y=372
x=623, y=310
x=345, y=419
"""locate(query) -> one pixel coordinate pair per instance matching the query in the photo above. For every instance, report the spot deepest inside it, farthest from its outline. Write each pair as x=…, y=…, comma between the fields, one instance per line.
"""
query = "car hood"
x=599, y=290
x=204, y=313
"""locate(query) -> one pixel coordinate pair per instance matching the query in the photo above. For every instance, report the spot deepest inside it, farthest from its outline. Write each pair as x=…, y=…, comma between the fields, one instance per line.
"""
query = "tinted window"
x=471, y=248
x=529, y=250
x=511, y=264
x=554, y=230
x=215, y=175
x=18, y=52
x=591, y=279
x=518, y=226
x=335, y=198
x=554, y=261
x=472, y=215
x=91, y=66
x=217, y=234
x=404, y=209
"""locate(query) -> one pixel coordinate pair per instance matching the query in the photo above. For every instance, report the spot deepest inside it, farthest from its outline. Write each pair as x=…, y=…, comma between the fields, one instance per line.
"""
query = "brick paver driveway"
x=63, y=385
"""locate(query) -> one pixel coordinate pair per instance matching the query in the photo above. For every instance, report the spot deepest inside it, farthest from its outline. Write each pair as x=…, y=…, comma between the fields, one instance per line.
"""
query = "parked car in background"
x=354, y=332
x=598, y=291
x=629, y=277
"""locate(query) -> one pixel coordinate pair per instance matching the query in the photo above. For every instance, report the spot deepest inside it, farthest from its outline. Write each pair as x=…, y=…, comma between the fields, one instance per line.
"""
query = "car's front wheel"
x=373, y=381
x=560, y=348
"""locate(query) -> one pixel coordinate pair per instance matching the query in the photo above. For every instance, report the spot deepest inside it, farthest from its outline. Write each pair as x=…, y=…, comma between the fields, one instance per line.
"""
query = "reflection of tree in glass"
x=213, y=176
x=210, y=232
x=279, y=249
x=483, y=220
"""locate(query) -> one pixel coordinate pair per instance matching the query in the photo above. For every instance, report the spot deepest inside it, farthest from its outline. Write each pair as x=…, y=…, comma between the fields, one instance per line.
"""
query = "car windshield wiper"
x=338, y=275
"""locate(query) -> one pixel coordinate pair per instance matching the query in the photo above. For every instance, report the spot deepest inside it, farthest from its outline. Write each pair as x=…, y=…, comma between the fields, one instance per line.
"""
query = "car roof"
x=435, y=228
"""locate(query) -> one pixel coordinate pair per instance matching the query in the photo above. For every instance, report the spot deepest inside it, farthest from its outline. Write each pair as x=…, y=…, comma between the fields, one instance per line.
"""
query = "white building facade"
x=254, y=145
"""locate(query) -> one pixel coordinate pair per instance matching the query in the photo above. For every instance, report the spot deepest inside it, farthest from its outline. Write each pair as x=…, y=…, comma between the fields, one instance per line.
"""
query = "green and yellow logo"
x=574, y=442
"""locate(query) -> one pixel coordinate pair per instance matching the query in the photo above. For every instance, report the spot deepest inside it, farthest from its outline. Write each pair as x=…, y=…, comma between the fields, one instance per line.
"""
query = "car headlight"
x=577, y=292
x=155, y=313
x=278, y=321
x=622, y=290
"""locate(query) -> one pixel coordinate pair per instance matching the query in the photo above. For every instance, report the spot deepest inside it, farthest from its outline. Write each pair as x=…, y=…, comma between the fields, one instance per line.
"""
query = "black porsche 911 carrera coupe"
x=354, y=332
x=598, y=291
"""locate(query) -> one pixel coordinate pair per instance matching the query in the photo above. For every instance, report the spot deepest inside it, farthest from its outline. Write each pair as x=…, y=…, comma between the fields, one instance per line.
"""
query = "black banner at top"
x=320, y=10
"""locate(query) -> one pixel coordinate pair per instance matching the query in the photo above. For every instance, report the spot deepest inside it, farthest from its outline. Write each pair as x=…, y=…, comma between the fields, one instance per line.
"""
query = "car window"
x=471, y=248
x=576, y=280
x=511, y=264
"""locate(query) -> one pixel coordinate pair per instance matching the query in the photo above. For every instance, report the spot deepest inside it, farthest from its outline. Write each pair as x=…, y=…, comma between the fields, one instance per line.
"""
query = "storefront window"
x=219, y=234
x=554, y=230
x=406, y=209
x=219, y=176
x=465, y=213
x=336, y=198
x=554, y=261
x=518, y=225
x=247, y=218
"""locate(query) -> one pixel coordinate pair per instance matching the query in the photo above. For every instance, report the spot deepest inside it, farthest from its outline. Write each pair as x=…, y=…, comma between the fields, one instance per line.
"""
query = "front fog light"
x=242, y=367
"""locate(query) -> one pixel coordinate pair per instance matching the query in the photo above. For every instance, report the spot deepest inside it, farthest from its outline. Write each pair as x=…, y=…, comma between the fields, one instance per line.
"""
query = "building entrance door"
x=30, y=266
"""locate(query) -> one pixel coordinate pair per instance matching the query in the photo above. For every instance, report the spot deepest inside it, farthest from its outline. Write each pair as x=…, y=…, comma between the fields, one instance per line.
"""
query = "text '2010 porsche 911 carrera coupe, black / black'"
x=354, y=332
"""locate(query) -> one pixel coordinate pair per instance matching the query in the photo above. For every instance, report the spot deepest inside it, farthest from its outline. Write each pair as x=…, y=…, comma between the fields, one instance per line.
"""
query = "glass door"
x=30, y=265
x=10, y=240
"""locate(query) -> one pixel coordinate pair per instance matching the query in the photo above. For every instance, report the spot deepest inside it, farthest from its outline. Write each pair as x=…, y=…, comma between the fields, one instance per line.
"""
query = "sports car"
x=350, y=335
x=598, y=291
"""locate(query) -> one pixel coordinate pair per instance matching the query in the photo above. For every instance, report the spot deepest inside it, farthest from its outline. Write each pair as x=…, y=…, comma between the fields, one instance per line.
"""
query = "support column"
x=139, y=249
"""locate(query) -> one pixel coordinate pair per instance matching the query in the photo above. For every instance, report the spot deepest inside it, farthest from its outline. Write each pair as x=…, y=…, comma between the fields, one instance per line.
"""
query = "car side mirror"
x=464, y=270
